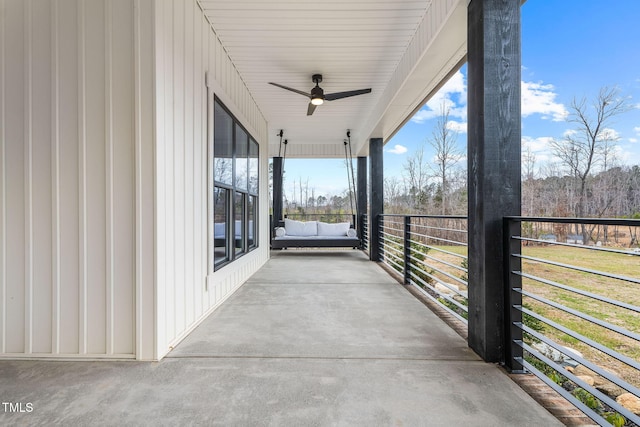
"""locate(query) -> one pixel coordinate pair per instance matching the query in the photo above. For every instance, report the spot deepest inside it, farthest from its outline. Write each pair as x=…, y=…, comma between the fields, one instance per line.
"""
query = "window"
x=242, y=159
x=239, y=223
x=220, y=228
x=235, y=188
x=252, y=212
x=222, y=146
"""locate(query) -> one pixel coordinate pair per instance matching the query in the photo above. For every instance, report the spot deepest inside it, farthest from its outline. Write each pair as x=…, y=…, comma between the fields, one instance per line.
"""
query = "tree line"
x=584, y=179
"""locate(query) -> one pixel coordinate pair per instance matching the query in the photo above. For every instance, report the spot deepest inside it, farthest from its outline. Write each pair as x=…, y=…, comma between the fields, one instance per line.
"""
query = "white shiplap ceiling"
x=354, y=44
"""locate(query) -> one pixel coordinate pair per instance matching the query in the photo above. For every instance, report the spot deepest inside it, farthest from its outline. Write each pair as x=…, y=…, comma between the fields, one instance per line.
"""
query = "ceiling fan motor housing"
x=317, y=92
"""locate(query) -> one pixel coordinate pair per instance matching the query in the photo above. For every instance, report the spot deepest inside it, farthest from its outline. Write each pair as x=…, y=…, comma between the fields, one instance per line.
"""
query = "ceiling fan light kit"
x=317, y=95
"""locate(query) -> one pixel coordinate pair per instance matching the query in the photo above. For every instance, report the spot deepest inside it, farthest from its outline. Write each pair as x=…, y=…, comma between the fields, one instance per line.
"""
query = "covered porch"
x=322, y=338
x=136, y=138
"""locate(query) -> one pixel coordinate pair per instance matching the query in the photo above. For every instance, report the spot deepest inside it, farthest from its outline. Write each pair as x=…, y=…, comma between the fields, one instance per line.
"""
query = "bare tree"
x=416, y=178
x=444, y=142
x=528, y=181
x=528, y=165
x=583, y=148
x=393, y=195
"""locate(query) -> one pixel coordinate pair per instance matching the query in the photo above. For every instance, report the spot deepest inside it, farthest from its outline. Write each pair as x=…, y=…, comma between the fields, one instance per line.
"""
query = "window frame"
x=233, y=191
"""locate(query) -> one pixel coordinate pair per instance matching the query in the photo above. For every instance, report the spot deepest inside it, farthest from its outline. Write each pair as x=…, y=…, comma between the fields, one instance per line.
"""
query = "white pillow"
x=299, y=228
x=352, y=233
x=280, y=232
x=339, y=229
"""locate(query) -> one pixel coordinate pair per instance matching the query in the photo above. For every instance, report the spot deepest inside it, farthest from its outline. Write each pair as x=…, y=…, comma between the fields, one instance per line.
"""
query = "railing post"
x=407, y=248
x=513, y=295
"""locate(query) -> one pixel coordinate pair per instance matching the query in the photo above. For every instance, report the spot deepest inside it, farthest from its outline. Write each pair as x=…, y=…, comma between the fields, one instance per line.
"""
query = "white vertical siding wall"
x=104, y=151
x=76, y=182
x=186, y=48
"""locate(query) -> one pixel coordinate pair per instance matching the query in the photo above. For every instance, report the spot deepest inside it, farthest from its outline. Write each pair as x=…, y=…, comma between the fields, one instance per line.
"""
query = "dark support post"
x=362, y=192
x=407, y=248
x=277, y=192
x=376, y=197
x=494, y=134
x=513, y=296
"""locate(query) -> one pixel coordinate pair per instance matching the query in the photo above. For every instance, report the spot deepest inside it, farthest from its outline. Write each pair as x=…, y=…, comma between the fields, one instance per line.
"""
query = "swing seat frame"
x=315, y=241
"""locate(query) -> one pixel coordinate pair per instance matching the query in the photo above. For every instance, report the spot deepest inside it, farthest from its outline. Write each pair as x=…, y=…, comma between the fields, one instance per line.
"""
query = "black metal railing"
x=573, y=309
x=572, y=305
x=430, y=252
x=364, y=232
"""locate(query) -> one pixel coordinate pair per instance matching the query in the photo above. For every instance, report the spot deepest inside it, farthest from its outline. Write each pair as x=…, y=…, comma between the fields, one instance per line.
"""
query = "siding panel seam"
x=82, y=185
x=109, y=238
x=138, y=314
x=3, y=194
x=55, y=183
x=28, y=178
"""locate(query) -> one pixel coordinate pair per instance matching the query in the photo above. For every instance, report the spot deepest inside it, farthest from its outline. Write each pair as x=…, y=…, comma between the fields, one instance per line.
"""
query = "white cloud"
x=537, y=145
x=610, y=134
x=538, y=98
x=607, y=133
x=637, y=130
x=629, y=157
x=460, y=127
x=423, y=115
x=452, y=95
x=397, y=149
x=633, y=140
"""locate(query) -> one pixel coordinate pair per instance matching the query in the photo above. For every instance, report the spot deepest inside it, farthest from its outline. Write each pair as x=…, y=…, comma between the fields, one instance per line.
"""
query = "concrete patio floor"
x=313, y=339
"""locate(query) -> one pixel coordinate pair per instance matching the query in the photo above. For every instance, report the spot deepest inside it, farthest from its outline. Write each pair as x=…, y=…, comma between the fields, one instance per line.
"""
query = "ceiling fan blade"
x=292, y=89
x=340, y=95
x=310, y=109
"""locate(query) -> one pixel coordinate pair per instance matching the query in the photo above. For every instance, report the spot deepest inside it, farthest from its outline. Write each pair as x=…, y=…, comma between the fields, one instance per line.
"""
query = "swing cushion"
x=299, y=228
x=339, y=229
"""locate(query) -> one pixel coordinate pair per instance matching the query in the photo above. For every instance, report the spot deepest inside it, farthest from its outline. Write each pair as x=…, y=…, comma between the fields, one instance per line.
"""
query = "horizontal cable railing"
x=430, y=252
x=574, y=310
x=364, y=232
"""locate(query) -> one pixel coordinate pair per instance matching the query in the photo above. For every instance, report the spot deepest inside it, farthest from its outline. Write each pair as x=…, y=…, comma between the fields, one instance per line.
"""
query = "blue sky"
x=570, y=49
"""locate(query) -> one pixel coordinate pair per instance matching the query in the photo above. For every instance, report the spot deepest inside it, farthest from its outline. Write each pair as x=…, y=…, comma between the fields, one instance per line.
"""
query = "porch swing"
x=317, y=234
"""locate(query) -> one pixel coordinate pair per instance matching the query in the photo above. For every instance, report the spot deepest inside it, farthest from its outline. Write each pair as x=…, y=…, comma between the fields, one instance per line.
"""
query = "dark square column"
x=361, y=192
x=277, y=191
x=494, y=61
x=376, y=197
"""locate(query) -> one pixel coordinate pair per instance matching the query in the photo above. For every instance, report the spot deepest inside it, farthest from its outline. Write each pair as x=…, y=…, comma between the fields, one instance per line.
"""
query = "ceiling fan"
x=317, y=95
